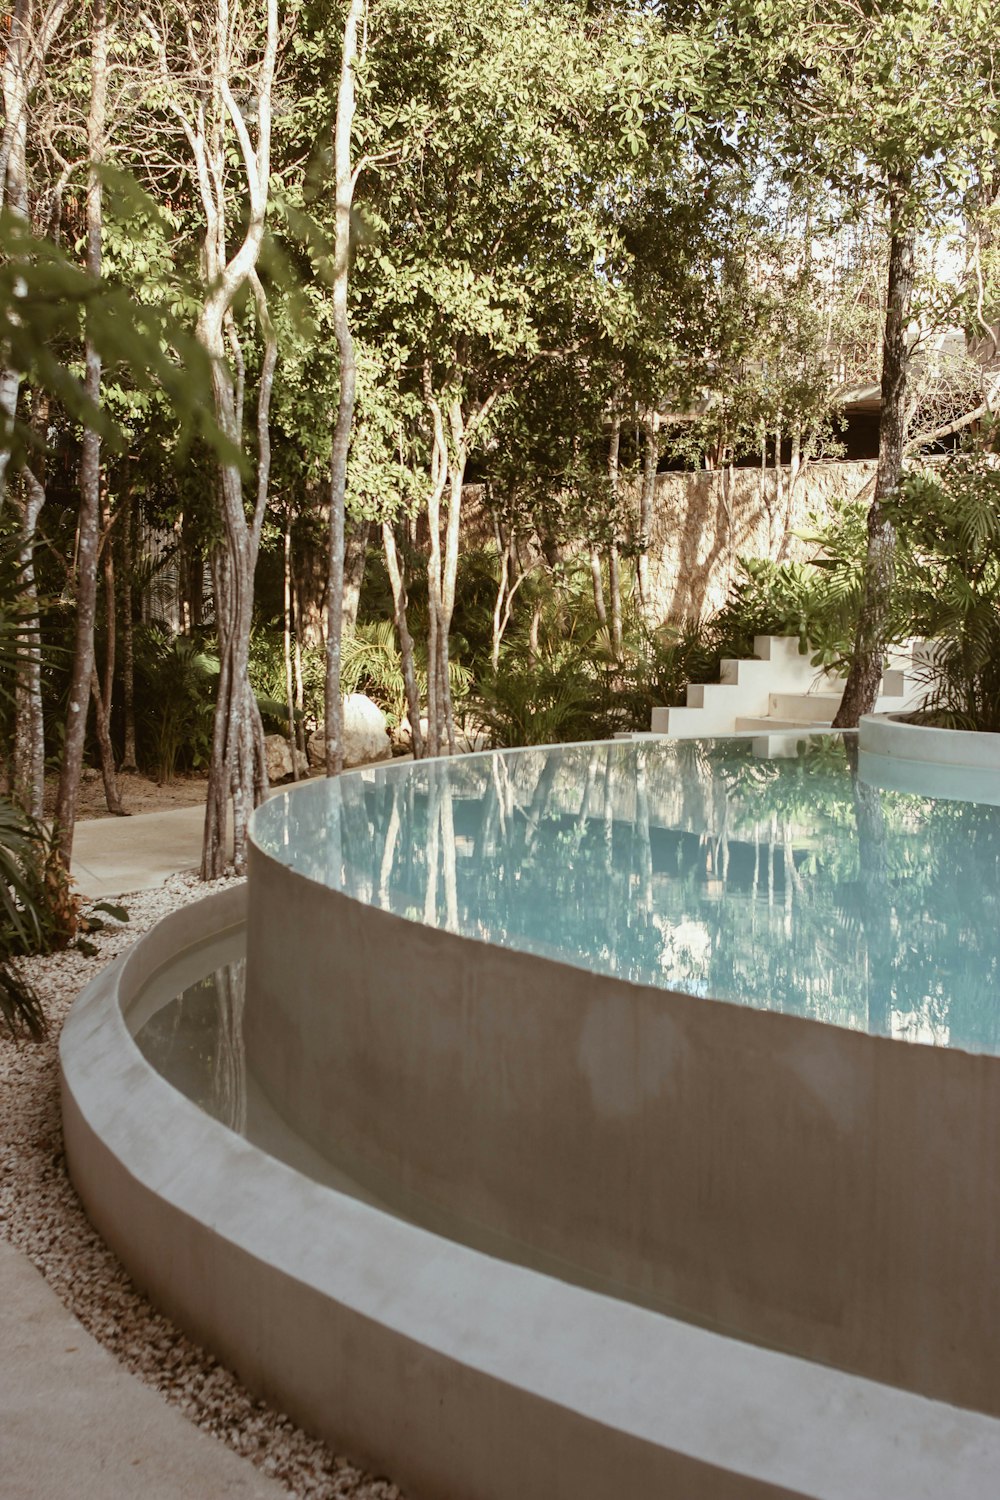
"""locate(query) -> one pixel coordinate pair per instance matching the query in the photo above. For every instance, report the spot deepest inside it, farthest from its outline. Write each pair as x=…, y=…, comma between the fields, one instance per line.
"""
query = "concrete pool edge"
x=458, y=1374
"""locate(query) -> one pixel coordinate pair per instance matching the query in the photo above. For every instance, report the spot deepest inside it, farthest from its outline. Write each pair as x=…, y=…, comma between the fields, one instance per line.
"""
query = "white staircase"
x=778, y=688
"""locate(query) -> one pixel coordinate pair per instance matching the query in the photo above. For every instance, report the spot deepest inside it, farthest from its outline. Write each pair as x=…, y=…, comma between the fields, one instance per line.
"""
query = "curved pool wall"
x=929, y=762
x=465, y=1377
x=806, y=1187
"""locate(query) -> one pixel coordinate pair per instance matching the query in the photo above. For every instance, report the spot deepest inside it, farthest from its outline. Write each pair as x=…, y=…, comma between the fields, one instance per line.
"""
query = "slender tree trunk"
x=504, y=553
x=106, y=754
x=355, y=556
x=600, y=609
x=102, y=698
x=614, y=577
x=435, y=579
x=128, y=765
x=90, y=468
x=333, y=705
x=405, y=639
x=779, y=484
x=647, y=496
x=865, y=676
x=238, y=769
x=456, y=481
x=300, y=687
x=287, y=641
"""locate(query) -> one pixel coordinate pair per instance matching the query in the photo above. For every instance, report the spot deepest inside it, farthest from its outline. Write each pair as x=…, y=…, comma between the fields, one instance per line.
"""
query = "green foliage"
x=18, y=638
x=26, y=918
x=174, y=693
x=949, y=521
x=47, y=303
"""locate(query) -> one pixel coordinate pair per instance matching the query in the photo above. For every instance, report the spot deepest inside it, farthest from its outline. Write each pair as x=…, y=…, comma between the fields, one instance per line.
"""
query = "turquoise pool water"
x=778, y=881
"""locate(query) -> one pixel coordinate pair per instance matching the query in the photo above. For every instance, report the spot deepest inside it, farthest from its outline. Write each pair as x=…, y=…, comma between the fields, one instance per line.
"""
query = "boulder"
x=278, y=755
x=366, y=734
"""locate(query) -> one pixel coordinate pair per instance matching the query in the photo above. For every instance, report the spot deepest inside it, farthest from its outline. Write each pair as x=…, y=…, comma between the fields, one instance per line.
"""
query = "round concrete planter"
x=464, y=1376
x=926, y=761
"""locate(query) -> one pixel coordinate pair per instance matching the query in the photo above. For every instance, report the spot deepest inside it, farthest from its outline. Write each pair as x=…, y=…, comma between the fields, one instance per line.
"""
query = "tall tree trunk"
x=90, y=468
x=435, y=576
x=405, y=639
x=865, y=676
x=237, y=771
x=128, y=765
x=647, y=496
x=287, y=641
x=355, y=556
x=614, y=576
x=597, y=578
x=332, y=704
x=779, y=488
x=106, y=754
x=300, y=686
x=102, y=692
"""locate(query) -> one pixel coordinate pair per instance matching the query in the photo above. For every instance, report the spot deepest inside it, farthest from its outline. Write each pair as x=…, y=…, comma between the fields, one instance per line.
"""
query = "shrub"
x=174, y=692
x=948, y=520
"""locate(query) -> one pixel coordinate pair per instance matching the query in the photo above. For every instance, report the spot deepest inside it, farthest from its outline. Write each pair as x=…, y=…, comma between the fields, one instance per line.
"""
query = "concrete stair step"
x=741, y=671
x=690, y=723
x=804, y=708
x=724, y=696
x=751, y=723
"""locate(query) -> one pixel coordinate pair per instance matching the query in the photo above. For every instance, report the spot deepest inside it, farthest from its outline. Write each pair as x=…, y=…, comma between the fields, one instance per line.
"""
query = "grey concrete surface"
x=461, y=1375
x=74, y=1423
x=114, y=855
x=816, y=1189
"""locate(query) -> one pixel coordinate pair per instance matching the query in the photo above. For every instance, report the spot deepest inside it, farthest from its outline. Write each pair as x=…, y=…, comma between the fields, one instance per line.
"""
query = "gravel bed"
x=41, y=1215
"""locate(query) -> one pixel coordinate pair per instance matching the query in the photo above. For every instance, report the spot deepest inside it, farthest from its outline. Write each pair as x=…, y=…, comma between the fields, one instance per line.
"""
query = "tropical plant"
x=541, y=702
x=948, y=520
x=22, y=919
x=175, y=682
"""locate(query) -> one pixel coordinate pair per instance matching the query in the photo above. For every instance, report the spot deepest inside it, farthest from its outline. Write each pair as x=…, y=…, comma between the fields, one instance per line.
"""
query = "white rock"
x=278, y=754
x=366, y=734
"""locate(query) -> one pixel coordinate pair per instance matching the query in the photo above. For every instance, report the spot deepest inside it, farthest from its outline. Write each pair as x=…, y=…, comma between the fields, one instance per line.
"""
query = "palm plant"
x=23, y=918
x=949, y=523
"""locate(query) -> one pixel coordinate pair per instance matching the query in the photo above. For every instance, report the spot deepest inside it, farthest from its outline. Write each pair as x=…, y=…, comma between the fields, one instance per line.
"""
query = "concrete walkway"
x=73, y=1422
x=114, y=855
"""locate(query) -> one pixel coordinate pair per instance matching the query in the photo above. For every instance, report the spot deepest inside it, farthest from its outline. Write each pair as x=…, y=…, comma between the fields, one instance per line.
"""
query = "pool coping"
x=458, y=1374
x=924, y=760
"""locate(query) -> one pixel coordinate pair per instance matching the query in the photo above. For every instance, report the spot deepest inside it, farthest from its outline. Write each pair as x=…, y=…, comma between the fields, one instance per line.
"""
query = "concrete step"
x=741, y=671
x=690, y=723
x=804, y=708
x=725, y=697
x=775, y=648
x=751, y=724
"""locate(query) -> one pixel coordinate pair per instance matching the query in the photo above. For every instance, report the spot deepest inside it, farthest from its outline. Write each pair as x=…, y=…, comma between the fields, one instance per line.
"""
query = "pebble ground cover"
x=41, y=1215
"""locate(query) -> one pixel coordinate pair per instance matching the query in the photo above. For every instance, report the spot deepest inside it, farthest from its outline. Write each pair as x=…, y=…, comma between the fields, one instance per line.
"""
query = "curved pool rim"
x=925, y=761
x=799, y=1185
x=459, y=1375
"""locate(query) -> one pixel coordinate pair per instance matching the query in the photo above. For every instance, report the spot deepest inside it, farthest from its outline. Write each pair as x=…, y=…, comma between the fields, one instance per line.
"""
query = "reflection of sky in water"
x=696, y=865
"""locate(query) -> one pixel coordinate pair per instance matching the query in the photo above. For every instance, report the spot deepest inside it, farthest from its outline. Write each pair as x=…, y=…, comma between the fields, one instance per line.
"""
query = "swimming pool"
x=783, y=883
x=539, y=1138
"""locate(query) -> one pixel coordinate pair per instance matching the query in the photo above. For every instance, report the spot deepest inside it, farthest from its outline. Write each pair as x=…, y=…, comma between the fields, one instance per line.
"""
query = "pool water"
x=780, y=882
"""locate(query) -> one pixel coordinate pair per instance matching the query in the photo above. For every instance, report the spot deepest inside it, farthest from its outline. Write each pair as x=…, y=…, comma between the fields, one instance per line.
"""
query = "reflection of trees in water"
x=229, y=1083
x=781, y=882
x=196, y=1043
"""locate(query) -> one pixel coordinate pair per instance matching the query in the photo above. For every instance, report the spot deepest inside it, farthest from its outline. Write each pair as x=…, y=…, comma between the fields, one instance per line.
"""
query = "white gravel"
x=41, y=1215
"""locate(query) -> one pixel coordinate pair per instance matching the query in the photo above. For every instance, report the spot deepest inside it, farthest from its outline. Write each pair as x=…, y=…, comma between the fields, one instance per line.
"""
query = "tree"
x=207, y=97
x=493, y=250
x=894, y=101
x=345, y=178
